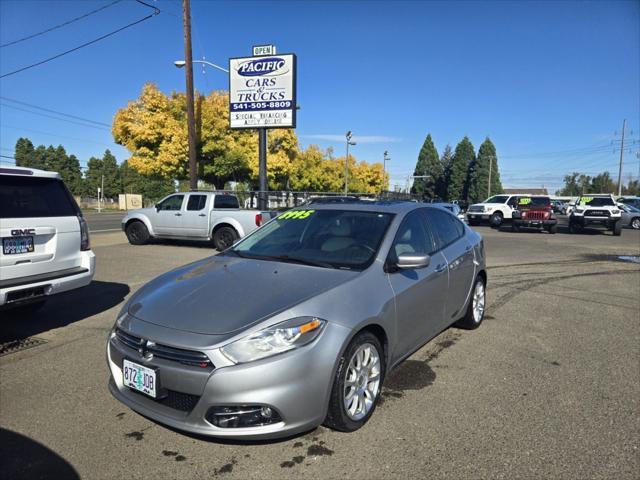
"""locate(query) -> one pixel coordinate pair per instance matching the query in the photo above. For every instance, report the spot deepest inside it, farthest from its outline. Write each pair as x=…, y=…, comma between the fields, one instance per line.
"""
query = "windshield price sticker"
x=585, y=200
x=524, y=201
x=262, y=92
x=296, y=214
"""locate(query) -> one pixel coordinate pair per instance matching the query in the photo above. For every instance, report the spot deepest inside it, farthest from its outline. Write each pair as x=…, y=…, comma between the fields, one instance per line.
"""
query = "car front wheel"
x=357, y=384
x=137, y=233
x=496, y=219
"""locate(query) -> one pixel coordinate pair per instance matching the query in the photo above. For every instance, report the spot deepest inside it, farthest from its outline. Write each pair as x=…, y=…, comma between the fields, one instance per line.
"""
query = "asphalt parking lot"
x=548, y=387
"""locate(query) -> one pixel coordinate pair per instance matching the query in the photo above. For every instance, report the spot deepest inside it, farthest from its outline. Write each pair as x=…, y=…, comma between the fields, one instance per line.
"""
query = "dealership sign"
x=262, y=92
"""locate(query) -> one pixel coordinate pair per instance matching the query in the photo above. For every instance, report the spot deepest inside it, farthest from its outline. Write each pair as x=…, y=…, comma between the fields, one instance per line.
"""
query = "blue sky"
x=548, y=82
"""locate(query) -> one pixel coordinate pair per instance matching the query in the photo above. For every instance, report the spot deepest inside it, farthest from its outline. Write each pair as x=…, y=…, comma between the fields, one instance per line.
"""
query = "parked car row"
x=537, y=211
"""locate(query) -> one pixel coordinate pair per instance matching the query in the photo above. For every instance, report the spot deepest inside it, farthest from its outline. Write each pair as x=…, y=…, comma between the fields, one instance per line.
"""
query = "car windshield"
x=533, y=202
x=324, y=238
x=497, y=199
x=596, y=201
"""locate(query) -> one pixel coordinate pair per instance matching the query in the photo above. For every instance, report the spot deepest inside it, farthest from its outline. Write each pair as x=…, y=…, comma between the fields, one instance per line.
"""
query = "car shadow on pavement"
x=61, y=310
x=24, y=458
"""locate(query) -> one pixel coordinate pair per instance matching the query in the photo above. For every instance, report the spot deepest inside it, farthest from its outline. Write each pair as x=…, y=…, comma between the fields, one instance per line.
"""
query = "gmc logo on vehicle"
x=18, y=232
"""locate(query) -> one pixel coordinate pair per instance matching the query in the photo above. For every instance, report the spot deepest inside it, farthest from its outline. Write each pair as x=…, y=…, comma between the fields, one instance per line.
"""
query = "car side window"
x=411, y=237
x=196, y=202
x=225, y=201
x=445, y=227
x=174, y=202
x=513, y=202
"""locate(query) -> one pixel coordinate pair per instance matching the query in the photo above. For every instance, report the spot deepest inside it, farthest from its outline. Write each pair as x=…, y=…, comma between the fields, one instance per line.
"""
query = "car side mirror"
x=413, y=260
x=157, y=205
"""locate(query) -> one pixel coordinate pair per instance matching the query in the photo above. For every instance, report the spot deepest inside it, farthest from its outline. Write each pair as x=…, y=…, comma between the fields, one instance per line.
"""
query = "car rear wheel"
x=475, y=311
x=496, y=219
x=224, y=237
x=635, y=223
x=137, y=233
x=357, y=384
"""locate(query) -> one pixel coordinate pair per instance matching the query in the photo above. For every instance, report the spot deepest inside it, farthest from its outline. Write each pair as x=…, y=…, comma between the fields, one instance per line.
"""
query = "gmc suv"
x=45, y=240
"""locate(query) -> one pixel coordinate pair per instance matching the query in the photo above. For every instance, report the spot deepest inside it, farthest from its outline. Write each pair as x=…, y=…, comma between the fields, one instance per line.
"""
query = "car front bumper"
x=51, y=283
x=603, y=222
x=478, y=216
x=296, y=384
x=532, y=223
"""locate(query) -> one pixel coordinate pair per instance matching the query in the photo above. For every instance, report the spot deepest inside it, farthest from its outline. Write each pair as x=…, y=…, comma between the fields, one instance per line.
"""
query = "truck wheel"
x=496, y=219
x=617, y=228
x=553, y=229
x=635, y=223
x=224, y=237
x=475, y=311
x=137, y=233
x=574, y=227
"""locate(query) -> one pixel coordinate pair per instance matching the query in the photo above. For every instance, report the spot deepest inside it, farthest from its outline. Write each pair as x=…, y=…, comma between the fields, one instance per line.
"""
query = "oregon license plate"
x=15, y=245
x=140, y=378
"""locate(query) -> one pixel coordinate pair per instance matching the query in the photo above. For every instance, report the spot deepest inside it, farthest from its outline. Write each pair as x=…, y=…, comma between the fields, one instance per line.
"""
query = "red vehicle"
x=536, y=213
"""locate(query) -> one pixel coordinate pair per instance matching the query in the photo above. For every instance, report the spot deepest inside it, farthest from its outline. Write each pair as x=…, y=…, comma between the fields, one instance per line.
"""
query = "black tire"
x=496, y=219
x=553, y=229
x=574, y=227
x=137, y=233
x=337, y=417
x=469, y=321
x=224, y=237
x=635, y=223
x=617, y=228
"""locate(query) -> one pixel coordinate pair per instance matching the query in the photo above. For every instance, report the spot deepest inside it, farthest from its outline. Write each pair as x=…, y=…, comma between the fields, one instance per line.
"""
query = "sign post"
x=262, y=95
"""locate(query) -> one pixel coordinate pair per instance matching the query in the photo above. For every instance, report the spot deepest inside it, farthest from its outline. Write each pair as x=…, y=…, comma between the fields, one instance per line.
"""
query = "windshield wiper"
x=302, y=261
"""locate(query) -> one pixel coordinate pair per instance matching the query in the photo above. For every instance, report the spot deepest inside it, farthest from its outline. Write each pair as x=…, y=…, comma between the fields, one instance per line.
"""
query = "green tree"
x=152, y=189
x=67, y=166
x=602, y=183
x=429, y=166
x=446, y=161
x=483, y=170
x=463, y=158
x=106, y=166
x=24, y=153
x=571, y=187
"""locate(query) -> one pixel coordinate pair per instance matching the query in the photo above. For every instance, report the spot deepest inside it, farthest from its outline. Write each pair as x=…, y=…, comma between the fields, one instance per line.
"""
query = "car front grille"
x=183, y=402
x=476, y=208
x=534, y=215
x=597, y=213
x=186, y=357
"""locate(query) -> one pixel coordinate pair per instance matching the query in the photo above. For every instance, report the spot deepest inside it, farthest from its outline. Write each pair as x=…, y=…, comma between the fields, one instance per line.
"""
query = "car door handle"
x=441, y=268
x=202, y=215
x=178, y=214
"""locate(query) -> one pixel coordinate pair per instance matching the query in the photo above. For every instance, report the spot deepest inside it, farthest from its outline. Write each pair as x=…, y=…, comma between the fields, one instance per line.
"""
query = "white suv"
x=496, y=210
x=596, y=210
x=45, y=240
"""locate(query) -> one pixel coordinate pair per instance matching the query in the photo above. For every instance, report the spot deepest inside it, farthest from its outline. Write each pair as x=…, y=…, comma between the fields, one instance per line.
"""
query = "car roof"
x=379, y=206
x=31, y=172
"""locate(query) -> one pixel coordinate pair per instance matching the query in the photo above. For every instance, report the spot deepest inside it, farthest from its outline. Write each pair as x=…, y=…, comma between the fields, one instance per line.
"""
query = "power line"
x=29, y=37
x=86, y=44
x=55, y=111
x=55, y=135
x=51, y=116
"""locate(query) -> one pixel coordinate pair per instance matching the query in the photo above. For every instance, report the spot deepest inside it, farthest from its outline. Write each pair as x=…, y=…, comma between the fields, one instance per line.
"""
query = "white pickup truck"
x=205, y=216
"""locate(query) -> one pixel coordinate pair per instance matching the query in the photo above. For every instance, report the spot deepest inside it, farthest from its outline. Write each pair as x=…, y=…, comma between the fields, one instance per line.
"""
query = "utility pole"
x=191, y=118
x=349, y=135
x=262, y=168
x=385, y=159
x=624, y=123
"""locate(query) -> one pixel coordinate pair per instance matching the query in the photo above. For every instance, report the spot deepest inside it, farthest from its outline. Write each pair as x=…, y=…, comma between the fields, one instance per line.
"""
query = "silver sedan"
x=299, y=323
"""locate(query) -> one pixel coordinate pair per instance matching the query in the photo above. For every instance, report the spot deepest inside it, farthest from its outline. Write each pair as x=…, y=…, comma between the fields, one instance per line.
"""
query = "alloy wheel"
x=362, y=382
x=478, y=302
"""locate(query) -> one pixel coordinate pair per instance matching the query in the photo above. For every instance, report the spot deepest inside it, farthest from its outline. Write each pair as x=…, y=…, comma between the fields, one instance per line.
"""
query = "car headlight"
x=488, y=209
x=579, y=210
x=278, y=338
x=615, y=212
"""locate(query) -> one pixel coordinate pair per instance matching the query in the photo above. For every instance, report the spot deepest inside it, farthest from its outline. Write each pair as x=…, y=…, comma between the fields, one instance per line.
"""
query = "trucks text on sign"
x=262, y=92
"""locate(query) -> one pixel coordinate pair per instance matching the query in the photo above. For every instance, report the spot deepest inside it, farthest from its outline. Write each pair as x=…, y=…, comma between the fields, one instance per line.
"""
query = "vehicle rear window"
x=226, y=201
x=30, y=197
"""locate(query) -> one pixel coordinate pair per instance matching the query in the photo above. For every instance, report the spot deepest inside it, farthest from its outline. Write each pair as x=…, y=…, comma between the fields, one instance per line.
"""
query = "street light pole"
x=385, y=159
x=182, y=63
x=191, y=118
x=349, y=135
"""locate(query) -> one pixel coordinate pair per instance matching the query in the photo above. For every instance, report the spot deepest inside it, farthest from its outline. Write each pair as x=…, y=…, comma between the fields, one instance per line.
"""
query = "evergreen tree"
x=485, y=168
x=463, y=159
x=445, y=164
x=24, y=153
x=106, y=166
x=428, y=165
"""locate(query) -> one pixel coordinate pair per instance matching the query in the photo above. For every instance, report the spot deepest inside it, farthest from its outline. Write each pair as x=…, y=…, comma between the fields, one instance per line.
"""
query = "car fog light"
x=242, y=416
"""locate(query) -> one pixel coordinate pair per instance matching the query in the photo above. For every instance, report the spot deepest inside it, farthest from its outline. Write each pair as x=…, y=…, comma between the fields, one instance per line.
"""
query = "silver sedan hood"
x=222, y=295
